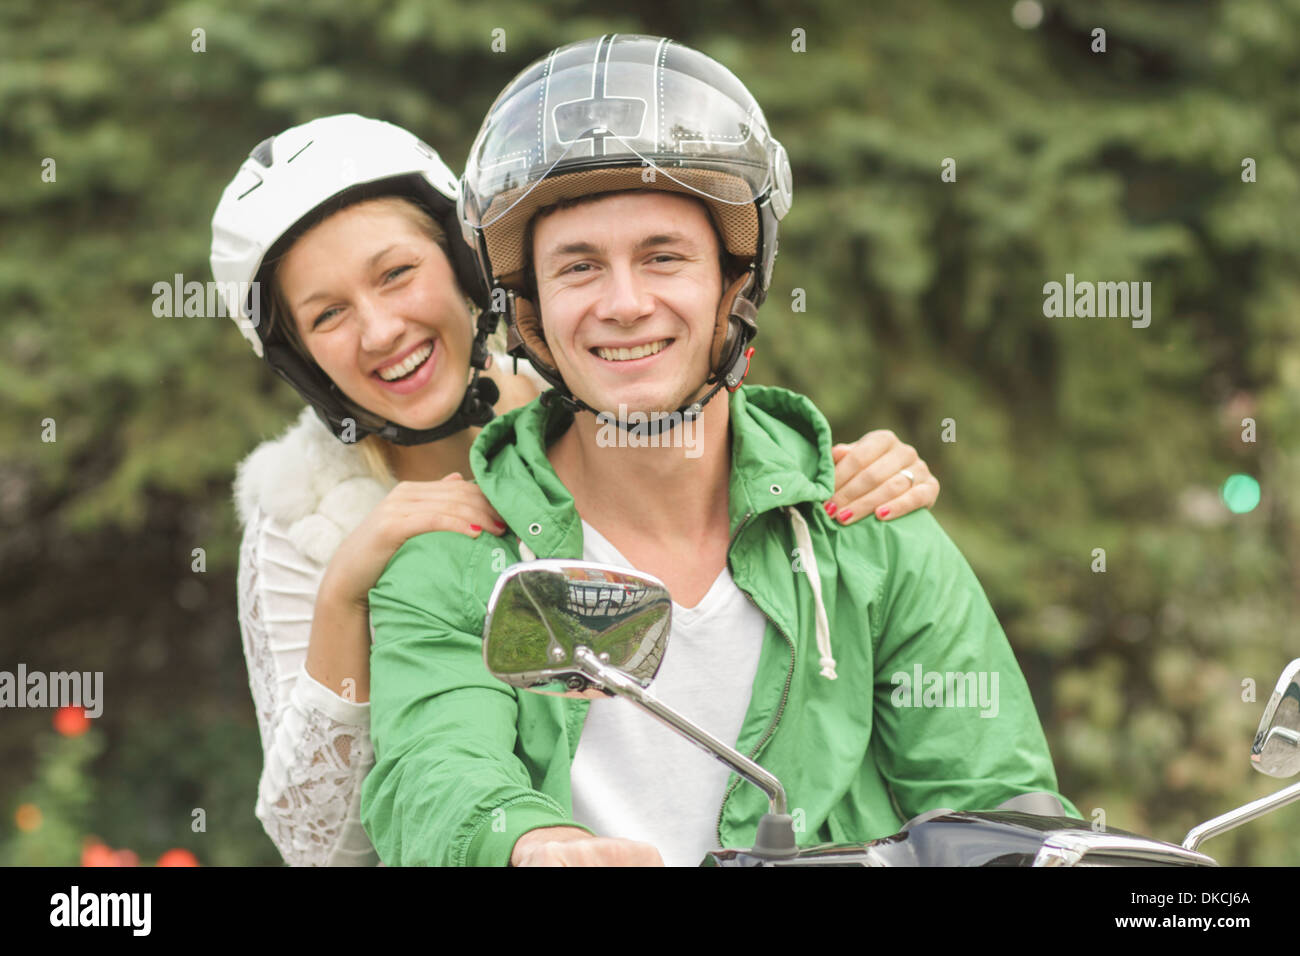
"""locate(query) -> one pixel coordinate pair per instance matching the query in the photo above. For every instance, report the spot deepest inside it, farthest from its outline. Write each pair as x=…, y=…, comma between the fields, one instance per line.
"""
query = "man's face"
x=628, y=289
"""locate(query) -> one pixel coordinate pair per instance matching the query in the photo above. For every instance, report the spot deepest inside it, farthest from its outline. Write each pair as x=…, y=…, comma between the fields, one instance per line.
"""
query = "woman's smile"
x=409, y=374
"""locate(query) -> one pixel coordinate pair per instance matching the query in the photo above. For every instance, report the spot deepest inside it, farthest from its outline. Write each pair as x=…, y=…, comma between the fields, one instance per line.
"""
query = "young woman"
x=342, y=264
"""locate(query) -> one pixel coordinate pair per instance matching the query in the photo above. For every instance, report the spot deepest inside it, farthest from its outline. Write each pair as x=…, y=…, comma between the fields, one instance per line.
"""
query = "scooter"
x=579, y=628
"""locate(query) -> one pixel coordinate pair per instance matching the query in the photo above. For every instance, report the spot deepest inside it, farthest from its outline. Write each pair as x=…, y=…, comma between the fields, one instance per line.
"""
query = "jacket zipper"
x=785, y=694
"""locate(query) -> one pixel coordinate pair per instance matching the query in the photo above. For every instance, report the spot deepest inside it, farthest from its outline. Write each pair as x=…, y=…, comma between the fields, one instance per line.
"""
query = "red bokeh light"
x=94, y=853
x=71, y=721
x=97, y=854
x=178, y=857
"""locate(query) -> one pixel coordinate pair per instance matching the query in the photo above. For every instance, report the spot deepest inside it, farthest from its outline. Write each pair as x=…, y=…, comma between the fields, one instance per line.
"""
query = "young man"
x=627, y=192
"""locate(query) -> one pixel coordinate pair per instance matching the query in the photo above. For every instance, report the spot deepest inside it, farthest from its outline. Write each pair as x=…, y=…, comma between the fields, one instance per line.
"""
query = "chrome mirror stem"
x=1243, y=814
x=616, y=683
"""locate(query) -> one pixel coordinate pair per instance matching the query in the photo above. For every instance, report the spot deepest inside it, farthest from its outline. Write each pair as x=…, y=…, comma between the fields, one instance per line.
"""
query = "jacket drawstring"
x=526, y=552
x=804, y=541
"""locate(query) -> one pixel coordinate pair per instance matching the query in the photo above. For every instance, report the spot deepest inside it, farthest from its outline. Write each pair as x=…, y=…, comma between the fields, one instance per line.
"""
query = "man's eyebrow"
x=662, y=239
x=589, y=248
x=370, y=264
x=574, y=249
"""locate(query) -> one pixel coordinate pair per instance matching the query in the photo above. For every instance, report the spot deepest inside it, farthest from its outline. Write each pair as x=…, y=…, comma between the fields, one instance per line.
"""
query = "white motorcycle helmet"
x=624, y=112
x=290, y=182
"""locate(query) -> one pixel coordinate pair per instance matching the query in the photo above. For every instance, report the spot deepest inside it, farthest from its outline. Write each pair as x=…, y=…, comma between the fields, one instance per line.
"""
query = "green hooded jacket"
x=465, y=764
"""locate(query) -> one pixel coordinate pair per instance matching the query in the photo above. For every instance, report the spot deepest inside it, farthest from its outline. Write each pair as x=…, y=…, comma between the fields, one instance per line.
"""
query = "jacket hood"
x=781, y=456
x=318, y=487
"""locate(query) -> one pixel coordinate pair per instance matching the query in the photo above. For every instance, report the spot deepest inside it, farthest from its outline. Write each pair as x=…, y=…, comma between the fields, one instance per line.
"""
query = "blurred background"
x=922, y=302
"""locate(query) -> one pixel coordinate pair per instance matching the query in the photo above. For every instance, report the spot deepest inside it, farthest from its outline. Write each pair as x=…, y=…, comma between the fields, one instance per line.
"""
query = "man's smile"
x=624, y=355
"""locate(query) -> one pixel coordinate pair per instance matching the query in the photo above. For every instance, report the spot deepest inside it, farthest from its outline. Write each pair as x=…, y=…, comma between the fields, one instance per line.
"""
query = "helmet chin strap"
x=474, y=409
x=657, y=423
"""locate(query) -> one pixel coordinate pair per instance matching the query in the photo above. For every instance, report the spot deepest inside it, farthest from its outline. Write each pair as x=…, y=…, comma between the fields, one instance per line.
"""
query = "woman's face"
x=377, y=306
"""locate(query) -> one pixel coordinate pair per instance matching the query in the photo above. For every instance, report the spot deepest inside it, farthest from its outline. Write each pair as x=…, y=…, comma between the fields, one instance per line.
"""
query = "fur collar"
x=316, y=486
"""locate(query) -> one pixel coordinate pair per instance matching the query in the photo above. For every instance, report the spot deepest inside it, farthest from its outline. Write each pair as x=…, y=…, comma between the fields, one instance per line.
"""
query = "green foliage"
x=924, y=303
x=62, y=794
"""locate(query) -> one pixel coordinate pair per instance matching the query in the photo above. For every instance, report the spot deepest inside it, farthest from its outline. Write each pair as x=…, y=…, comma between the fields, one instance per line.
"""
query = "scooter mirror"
x=1276, y=750
x=579, y=628
x=540, y=612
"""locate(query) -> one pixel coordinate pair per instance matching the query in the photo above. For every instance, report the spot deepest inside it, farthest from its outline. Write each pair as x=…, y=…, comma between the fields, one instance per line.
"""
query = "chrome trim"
x=615, y=682
x=1243, y=814
x=1070, y=847
x=1280, y=723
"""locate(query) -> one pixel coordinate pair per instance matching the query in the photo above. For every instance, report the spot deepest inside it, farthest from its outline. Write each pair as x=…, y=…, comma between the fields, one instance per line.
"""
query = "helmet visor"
x=620, y=102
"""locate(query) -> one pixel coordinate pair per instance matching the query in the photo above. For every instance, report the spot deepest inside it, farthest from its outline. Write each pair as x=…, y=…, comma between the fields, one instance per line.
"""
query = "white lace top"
x=297, y=497
x=316, y=743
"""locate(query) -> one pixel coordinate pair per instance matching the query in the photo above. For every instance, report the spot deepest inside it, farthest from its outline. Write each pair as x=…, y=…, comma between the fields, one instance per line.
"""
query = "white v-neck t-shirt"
x=634, y=778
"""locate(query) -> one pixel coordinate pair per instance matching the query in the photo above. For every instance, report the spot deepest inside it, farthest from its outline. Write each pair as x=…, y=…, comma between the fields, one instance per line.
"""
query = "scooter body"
x=986, y=838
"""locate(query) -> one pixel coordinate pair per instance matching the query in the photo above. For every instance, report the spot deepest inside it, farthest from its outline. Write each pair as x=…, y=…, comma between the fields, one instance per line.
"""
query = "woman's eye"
x=324, y=317
x=392, y=273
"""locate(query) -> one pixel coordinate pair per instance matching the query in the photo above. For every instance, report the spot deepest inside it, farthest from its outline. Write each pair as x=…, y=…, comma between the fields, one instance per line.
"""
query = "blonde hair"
x=374, y=453
x=374, y=450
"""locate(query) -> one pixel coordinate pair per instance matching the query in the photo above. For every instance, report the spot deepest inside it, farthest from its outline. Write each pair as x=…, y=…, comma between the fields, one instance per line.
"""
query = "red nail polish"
x=844, y=516
x=830, y=507
x=475, y=527
x=882, y=512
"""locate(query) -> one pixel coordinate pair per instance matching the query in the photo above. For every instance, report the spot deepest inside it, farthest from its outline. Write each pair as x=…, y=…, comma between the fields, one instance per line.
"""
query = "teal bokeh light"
x=1240, y=494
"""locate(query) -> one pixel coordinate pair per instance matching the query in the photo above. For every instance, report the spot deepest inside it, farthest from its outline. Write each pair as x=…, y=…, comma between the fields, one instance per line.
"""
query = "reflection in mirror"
x=1276, y=750
x=540, y=611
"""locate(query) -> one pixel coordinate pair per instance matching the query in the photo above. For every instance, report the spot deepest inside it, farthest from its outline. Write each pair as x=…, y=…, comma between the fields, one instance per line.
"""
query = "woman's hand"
x=869, y=479
x=411, y=508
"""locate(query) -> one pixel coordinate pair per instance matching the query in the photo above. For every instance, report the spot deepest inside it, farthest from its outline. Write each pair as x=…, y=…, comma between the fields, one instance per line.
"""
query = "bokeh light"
x=1241, y=494
x=1027, y=14
x=71, y=721
x=28, y=817
x=96, y=853
x=178, y=857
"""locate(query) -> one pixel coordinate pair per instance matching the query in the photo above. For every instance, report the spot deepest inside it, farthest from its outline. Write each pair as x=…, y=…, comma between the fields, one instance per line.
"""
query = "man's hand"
x=569, y=846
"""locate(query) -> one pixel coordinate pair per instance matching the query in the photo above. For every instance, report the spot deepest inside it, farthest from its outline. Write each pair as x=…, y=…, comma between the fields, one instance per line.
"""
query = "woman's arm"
x=870, y=479
x=315, y=741
x=338, y=652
